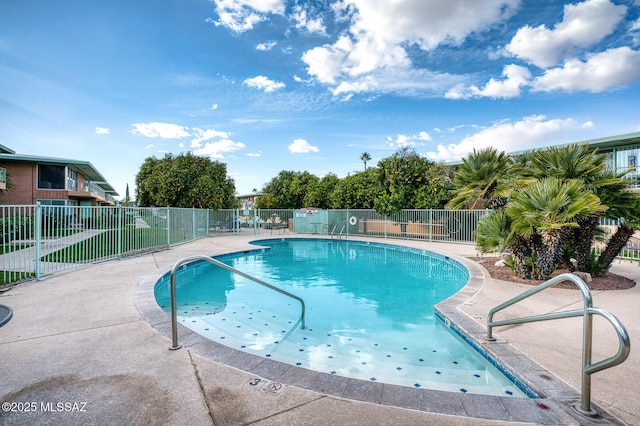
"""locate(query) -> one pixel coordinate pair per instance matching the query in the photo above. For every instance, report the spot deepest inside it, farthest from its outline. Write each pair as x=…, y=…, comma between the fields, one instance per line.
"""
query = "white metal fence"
x=38, y=240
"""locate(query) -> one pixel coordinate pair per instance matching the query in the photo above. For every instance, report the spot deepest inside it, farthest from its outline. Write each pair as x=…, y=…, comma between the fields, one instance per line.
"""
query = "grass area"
x=11, y=277
x=105, y=245
x=8, y=248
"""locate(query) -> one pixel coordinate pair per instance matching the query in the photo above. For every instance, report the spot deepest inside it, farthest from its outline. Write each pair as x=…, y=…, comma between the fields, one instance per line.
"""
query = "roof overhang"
x=86, y=168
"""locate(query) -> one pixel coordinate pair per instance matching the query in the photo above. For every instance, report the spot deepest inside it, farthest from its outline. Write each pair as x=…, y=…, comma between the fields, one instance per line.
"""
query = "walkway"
x=24, y=260
x=79, y=338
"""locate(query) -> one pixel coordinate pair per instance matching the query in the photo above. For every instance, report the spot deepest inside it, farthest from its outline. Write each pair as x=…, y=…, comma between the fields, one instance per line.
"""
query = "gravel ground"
x=607, y=282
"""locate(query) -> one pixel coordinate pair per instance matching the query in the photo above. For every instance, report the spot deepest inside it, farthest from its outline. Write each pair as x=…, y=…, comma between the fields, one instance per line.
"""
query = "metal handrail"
x=184, y=261
x=333, y=232
x=624, y=345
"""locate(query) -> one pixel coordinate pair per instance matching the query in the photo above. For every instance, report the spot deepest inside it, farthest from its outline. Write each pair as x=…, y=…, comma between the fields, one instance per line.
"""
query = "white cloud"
x=149, y=146
x=583, y=25
x=459, y=91
x=370, y=56
x=507, y=136
x=408, y=140
x=301, y=146
x=243, y=15
x=102, y=131
x=254, y=154
x=160, y=130
x=214, y=149
x=205, y=135
x=219, y=148
x=256, y=120
x=614, y=67
x=263, y=83
x=266, y=46
x=427, y=24
x=213, y=107
x=304, y=22
x=398, y=80
x=325, y=62
x=515, y=78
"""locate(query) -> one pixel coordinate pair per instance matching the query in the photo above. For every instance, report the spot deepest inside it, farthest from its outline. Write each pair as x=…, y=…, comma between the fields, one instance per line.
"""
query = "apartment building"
x=52, y=181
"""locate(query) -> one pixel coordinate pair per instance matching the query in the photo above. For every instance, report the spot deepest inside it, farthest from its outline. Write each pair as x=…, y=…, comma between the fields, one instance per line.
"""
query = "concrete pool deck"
x=90, y=338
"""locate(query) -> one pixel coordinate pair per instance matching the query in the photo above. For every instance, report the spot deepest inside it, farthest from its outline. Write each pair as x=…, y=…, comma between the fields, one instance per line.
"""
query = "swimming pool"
x=370, y=312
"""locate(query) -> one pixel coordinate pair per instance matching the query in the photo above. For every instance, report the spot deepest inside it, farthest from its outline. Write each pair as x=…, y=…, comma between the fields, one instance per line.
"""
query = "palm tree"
x=584, y=163
x=494, y=235
x=549, y=208
x=554, y=199
x=567, y=162
x=364, y=157
x=574, y=162
x=627, y=210
x=484, y=178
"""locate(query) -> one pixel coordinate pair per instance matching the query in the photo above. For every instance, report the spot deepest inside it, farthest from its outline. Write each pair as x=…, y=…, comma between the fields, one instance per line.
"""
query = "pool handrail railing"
x=587, y=312
x=174, y=316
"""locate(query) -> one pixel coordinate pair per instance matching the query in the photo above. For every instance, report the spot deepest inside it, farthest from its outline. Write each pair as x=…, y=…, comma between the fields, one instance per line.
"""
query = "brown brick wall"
x=23, y=180
x=23, y=177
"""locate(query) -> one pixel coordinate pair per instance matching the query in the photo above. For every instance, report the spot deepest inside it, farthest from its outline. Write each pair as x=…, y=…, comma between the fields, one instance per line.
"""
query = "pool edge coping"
x=554, y=405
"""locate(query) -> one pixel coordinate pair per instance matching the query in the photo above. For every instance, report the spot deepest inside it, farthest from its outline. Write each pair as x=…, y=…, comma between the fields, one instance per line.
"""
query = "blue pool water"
x=369, y=314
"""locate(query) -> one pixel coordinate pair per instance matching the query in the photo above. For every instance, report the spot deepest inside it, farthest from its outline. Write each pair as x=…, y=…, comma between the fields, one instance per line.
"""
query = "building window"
x=626, y=160
x=51, y=177
x=72, y=180
x=58, y=203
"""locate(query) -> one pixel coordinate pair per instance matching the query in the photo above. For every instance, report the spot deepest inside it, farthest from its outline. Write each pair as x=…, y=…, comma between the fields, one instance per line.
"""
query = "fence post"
x=386, y=218
x=193, y=224
x=255, y=220
x=168, y=226
x=38, y=238
x=430, y=225
x=120, y=229
x=347, y=224
x=207, y=224
x=259, y=213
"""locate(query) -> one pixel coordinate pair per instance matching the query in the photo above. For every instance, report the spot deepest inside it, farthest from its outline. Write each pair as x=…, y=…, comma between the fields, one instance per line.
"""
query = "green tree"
x=147, y=181
x=185, y=180
x=408, y=180
x=287, y=190
x=319, y=194
x=364, y=157
x=357, y=191
x=558, y=197
x=483, y=179
x=585, y=164
x=545, y=212
x=627, y=212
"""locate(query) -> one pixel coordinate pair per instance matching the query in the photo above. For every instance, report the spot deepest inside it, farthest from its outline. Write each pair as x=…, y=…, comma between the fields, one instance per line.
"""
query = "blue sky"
x=271, y=85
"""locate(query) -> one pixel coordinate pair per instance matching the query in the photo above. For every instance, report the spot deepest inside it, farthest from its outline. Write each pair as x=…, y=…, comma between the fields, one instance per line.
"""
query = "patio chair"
x=282, y=227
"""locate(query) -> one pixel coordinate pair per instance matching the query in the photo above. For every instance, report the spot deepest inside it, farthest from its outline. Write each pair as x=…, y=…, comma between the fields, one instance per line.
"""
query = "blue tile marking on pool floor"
x=515, y=379
x=246, y=330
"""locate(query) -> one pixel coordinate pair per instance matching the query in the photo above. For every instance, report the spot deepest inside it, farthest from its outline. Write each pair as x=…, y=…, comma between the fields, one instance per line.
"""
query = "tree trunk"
x=584, y=236
x=546, y=256
x=554, y=244
x=520, y=252
x=616, y=243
